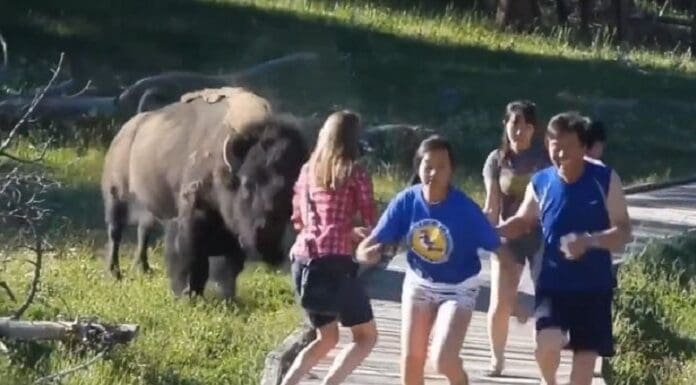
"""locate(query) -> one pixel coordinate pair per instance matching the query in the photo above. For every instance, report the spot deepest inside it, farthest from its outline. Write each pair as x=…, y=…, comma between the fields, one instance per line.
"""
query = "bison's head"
x=264, y=163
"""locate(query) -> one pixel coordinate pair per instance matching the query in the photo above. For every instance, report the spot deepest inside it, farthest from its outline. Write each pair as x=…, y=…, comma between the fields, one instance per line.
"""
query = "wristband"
x=594, y=242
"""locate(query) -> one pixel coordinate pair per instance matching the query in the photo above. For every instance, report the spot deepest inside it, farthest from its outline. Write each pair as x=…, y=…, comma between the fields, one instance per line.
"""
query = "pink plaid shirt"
x=331, y=215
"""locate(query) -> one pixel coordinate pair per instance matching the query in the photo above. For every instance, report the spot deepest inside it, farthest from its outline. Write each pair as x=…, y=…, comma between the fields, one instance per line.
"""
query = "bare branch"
x=64, y=373
x=82, y=91
x=5, y=286
x=37, y=274
x=3, y=45
x=5, y=143
x=37, y=159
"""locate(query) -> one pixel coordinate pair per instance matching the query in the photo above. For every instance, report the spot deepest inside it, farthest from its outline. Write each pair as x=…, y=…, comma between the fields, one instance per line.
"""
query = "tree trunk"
x=586, y=7
x=519, y=14
x=562, y=11
x=619, y=18
x=693, y=29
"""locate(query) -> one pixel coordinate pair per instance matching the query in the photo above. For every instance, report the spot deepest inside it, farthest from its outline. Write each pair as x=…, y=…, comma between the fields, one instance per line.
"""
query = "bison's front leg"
x=178, y=277
x=187, y=265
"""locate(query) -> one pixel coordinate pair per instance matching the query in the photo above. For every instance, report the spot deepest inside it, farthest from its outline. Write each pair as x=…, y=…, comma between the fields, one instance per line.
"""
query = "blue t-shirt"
x=442, y=239
x=576, y=207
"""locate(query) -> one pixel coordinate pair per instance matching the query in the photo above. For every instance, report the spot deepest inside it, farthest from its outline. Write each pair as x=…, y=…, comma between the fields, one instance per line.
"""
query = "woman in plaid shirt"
x=331, y=188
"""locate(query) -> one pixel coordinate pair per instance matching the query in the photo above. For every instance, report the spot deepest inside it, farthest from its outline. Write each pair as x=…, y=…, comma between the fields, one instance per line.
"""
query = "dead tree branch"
x=96, y=334
x=37, y=99
x=64, y=373
x=3, y=46
x=5, y=286
x=38, y=249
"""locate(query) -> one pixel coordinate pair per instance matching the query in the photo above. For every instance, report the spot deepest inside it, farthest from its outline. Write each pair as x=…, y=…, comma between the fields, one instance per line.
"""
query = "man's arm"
x=524, y=220
x=615, y=238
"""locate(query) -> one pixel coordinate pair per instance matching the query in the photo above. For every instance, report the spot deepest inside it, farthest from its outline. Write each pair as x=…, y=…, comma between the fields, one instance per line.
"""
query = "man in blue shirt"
x=582, y=211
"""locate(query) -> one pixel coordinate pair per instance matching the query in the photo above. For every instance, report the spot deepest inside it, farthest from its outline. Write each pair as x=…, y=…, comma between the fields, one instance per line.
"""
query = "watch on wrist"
x=593, y=242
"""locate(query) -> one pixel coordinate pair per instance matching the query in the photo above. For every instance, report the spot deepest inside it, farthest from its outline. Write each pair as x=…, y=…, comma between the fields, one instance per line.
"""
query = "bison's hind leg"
x=146, y=225
x=116, y=221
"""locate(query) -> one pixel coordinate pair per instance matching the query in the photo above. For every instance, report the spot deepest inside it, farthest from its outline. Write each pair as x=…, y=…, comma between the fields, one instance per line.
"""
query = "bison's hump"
x=243, y=106
x=212, y=95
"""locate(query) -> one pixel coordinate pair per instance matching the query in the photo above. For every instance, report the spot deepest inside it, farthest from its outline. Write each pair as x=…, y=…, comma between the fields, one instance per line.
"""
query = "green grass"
x=179, y=342
x=447, y=70
x=655, y=317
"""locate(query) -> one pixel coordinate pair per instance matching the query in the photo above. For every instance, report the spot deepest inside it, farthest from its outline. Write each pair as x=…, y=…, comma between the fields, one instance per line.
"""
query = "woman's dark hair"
x=571, y=122
x=432, y=143
x=596, y=132
x=527, y=109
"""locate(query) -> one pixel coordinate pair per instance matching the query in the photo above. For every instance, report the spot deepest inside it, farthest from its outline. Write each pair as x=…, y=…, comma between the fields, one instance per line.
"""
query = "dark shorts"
x=585, y=316
x=525, y=248
x=355, y=307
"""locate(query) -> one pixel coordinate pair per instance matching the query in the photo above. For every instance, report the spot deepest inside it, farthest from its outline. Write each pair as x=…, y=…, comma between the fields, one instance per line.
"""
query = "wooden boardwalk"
x=654, y=215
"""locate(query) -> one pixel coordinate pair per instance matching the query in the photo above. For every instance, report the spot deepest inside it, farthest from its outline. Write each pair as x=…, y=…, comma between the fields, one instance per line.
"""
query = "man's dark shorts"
x=586, y=316
x=355, y=307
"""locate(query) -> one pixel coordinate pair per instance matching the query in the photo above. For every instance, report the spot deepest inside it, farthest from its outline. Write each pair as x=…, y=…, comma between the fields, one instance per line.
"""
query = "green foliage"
x=655, y=316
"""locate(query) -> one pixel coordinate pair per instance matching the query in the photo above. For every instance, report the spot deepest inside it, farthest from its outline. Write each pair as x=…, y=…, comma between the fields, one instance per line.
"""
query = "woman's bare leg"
x=505, y=278
x=327, y=338
x=416, y=321
x=364, y=339
x=448, y=336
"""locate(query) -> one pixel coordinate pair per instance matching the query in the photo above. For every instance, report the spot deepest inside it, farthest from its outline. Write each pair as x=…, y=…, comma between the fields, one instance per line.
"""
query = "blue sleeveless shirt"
x=576, y=207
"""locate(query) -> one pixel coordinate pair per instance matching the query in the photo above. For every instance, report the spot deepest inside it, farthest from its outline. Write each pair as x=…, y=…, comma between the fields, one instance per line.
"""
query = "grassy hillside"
x=450, y=71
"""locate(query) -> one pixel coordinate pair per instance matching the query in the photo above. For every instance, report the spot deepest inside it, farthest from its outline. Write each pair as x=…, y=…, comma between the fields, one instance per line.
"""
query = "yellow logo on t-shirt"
x=431, y=241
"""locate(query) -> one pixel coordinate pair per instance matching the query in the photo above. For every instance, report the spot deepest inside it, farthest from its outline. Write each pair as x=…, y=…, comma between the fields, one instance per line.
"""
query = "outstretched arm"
x=369, y=251
x=524, y=220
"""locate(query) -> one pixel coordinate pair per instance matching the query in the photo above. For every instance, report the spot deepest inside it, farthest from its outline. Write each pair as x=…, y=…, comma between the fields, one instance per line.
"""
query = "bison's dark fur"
x=220, y=166
x=258, y=197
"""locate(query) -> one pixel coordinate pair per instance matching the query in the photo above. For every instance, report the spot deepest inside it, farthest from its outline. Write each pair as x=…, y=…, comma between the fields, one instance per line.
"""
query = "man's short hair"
x=596, y=132
x=570, y=122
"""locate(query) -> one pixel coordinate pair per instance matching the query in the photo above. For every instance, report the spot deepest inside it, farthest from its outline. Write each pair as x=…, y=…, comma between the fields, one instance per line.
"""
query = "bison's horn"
x=224, y=152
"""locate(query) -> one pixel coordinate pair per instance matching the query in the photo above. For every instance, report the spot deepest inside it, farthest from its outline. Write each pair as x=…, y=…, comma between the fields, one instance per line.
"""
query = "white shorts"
x=417, y=289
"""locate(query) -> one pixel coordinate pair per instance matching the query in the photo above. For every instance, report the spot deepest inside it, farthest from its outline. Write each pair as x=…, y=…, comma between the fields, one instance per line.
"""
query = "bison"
x=217, y=168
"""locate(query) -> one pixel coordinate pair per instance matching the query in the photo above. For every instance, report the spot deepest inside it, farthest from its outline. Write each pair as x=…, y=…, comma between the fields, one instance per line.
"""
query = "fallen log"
x=60, y=107
x=64, y=331
x=158, y=90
